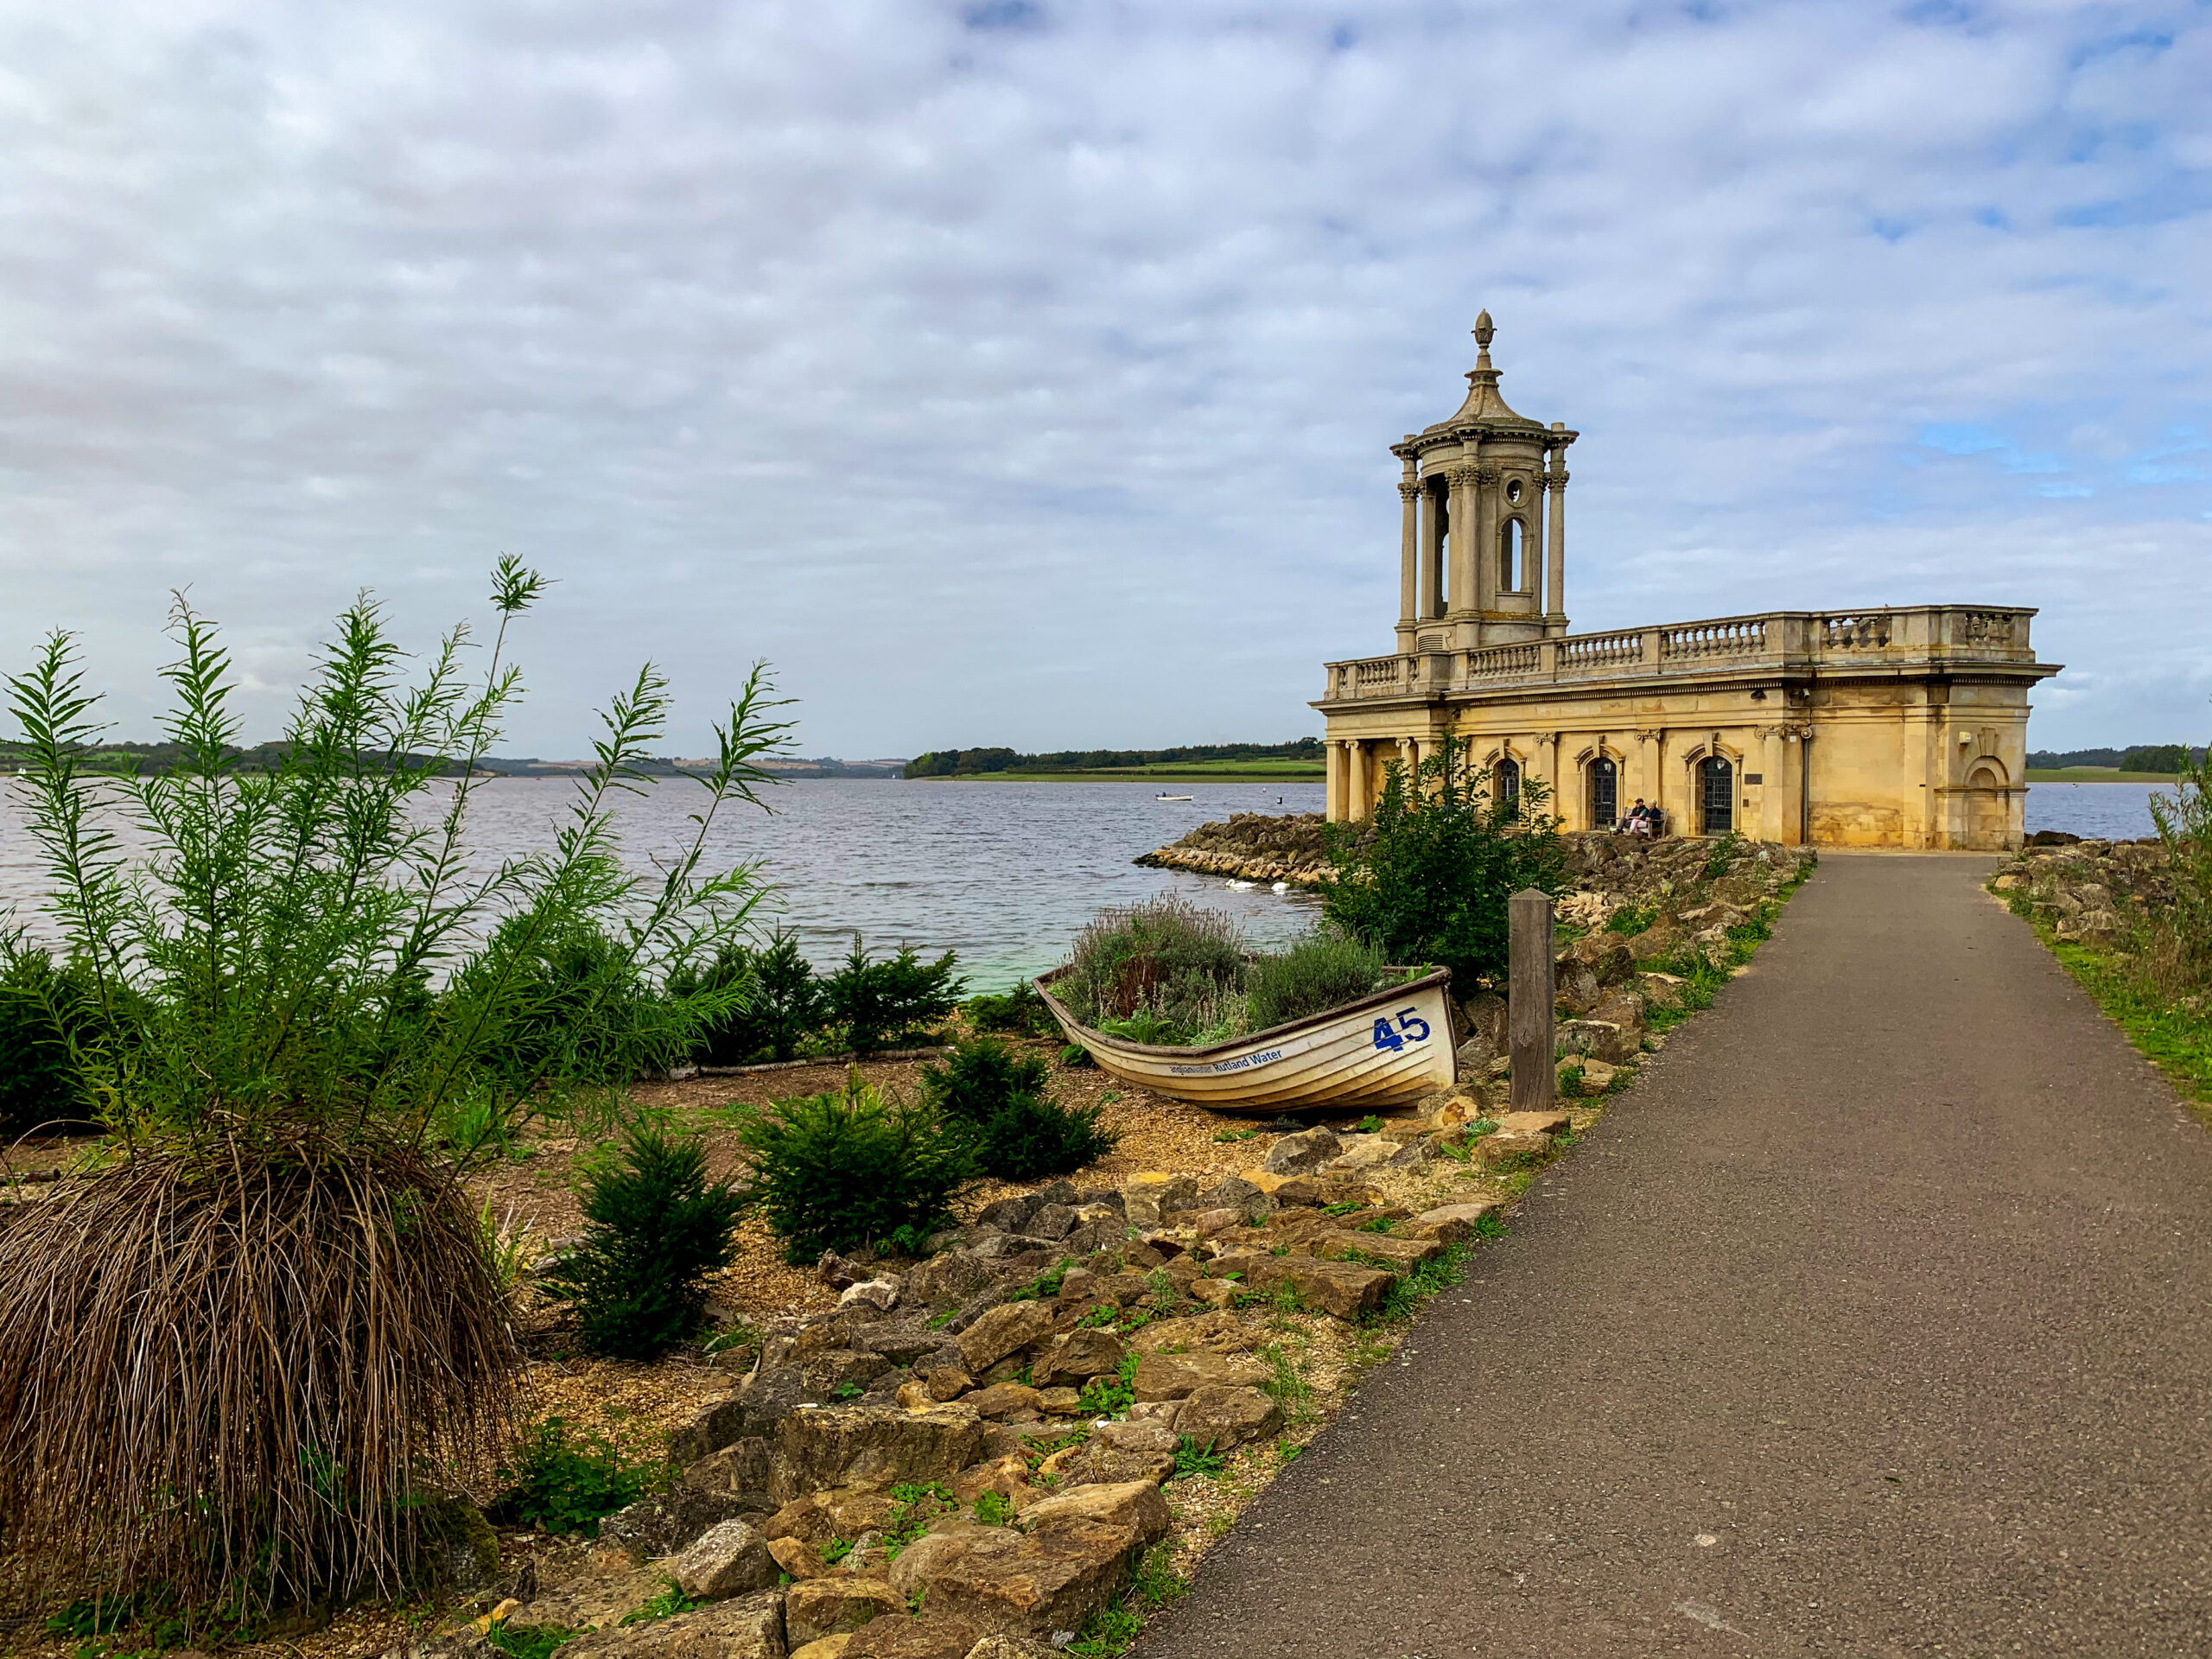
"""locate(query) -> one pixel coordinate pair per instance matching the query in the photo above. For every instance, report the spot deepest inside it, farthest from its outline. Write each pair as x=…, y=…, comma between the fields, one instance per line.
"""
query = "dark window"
x=1605, y=793
x=1507, y=783
x=1717, y=792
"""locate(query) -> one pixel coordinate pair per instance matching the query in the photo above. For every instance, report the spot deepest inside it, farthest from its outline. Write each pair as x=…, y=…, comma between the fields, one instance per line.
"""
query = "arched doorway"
x=1605, y=793
x=1505, y=785
x=1988, y=812
x=1716, y=794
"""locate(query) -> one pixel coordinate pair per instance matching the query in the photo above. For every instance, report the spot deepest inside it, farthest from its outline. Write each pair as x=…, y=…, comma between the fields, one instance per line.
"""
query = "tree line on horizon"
x=2142, y=757
x=972, y=763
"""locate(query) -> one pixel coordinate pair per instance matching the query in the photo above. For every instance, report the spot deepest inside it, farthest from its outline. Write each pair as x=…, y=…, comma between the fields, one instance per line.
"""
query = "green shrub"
x=1002, y=1101
x=879, y=1002
x=1318, y=972
x=979, y=1079
x=578, y=1008
x=1427, y=879
x=1035, y=1135
x=656, y=1229
x=566, y=1481
x=2184, y=821
x=1019, y=1012
x=1183, y=964
x=40, y=1007
x=783, y=1002
x=835, y=1172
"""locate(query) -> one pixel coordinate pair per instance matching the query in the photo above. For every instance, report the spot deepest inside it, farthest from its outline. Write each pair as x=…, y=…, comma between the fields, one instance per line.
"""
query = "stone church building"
x=1902, y=726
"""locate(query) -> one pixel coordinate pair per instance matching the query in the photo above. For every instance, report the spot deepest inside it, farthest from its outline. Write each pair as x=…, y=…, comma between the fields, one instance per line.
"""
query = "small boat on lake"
x=1171, y=798
x=1387, y=1049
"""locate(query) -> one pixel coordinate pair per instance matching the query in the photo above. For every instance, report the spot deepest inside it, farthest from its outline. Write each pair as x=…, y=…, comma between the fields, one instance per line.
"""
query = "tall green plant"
x=1427, y=878
x=2185, y=825
x=878, y=1002
x=302, y=1004
x=269, y=963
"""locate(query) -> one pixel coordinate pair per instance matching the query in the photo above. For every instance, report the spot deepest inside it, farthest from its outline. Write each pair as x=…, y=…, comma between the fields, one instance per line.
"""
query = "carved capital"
x=1463, y=475
x=1486, y=474
x=1650, y=737
x=1409, y=492
x=1555, y=480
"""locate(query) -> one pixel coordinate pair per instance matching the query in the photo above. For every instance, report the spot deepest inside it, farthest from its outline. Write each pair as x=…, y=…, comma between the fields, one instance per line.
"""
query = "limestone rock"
x=1001, y=1400
x=1504, y=1148
x=829, y=1647
x=660, y=1526
x=1451, y=1224
x=1170, y=1376
x=1079, y=1357
x=741, y=1466
x=1547, y=1123
x=1118, y=1453
x=1008, y=1647
x=1221, y=1418
x=1059, y=1403
x=822, y=1607
x=1004, y=1330
x=751, y=1627
x=798, y=1558
x=1601, y=1040
x=807, y=1519
x=1304, y=1153
x=908, y=1636
x=1342, y=1289
x=1136, y=1504
x=881, y=1294
x=1149, y=1196
x=1051, y=1578
x=816, y=1449
x=725, y=1560
x=1235, y=1193
x=1398, y=1253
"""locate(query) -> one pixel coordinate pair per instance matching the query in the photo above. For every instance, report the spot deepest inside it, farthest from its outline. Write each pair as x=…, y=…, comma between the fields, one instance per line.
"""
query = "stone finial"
x=1485, y=331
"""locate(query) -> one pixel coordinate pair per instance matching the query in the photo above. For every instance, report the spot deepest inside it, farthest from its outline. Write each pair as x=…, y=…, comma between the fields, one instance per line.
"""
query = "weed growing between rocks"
x=565, y=1481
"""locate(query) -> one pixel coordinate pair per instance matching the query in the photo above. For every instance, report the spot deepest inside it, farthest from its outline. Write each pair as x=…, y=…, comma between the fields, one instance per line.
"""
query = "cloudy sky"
x=1022, y=371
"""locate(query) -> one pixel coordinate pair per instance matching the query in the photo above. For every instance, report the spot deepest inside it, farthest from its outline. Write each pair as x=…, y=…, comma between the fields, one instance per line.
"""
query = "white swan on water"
x=1240, y=887
x=1280, y=886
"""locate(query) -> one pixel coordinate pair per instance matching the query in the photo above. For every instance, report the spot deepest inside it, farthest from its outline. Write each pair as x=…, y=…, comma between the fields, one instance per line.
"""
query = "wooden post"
x=1536, y=1076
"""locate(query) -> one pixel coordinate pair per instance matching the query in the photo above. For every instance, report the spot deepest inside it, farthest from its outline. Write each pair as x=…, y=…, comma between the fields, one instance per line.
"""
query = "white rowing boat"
x=1171, y=798
x=1389, y=1049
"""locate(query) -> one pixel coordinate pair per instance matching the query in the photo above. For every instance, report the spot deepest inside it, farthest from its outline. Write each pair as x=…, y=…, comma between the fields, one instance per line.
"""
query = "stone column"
x=1431, y=555
x=1650, y=769
x=1555, y=546
x=1356, y=806
x=1539, y=570
x=1483, y=490
x=1333, y=791
x=1409, y=756
x=1770, y=782
x=1466, y=582
x=1409, y=554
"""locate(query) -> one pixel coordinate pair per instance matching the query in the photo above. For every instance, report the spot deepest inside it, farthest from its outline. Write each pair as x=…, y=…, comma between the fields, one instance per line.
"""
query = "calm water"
x=2104, y=811
x=1004, y=874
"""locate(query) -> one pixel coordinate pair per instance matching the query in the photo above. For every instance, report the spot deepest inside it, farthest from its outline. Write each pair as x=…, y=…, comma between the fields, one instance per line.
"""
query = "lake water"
x=2099, y=811
x=1002, y=872
x=1005, y=874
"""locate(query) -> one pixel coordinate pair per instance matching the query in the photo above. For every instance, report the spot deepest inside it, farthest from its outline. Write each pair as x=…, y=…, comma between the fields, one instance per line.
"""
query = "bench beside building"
x=1903, y=726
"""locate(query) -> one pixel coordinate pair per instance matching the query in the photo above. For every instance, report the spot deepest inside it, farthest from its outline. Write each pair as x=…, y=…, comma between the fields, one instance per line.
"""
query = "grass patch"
x=2171, y=1034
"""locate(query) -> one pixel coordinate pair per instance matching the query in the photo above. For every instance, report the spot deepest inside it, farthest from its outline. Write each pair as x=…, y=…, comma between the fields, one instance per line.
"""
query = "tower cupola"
x=1483, y=498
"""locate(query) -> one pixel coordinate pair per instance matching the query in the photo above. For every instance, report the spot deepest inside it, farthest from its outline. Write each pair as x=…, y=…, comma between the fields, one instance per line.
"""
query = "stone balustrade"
x=1778, y=639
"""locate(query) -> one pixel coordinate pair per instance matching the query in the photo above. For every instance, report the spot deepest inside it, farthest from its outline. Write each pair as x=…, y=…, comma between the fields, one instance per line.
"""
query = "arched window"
x=1605, y=793
x=1509, y=560
x=1505, y=783
x=1717, y=794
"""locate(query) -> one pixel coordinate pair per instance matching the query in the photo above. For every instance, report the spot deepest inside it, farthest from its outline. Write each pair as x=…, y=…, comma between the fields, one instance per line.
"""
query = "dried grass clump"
x=234, y=1371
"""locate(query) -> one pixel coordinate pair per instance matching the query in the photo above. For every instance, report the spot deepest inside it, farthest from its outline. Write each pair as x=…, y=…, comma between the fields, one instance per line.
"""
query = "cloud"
x=1023, y=372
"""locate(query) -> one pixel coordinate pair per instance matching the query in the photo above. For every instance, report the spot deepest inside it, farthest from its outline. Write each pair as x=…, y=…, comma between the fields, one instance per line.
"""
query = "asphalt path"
x=1875, y=1320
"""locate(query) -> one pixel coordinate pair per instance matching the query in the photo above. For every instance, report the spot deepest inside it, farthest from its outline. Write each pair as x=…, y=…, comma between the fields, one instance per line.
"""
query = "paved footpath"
x=1876, y=1319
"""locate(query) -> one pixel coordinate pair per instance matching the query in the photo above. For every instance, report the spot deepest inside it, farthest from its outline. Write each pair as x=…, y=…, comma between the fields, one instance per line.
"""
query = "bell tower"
x=1483, y=500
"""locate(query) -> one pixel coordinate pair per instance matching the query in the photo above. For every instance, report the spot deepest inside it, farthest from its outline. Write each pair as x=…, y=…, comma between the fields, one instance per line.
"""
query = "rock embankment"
x=2088, y=891
x=1253, y=847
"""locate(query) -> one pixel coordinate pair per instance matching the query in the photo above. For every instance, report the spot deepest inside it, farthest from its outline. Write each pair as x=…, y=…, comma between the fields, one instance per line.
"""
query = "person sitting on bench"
x=1638, y=821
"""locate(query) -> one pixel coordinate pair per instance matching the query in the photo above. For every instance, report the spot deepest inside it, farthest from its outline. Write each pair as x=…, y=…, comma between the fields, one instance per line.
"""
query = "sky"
x=1023, y=372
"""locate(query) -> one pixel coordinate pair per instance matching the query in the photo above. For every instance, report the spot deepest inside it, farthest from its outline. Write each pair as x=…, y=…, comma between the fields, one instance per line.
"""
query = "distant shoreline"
x=2098, y=775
